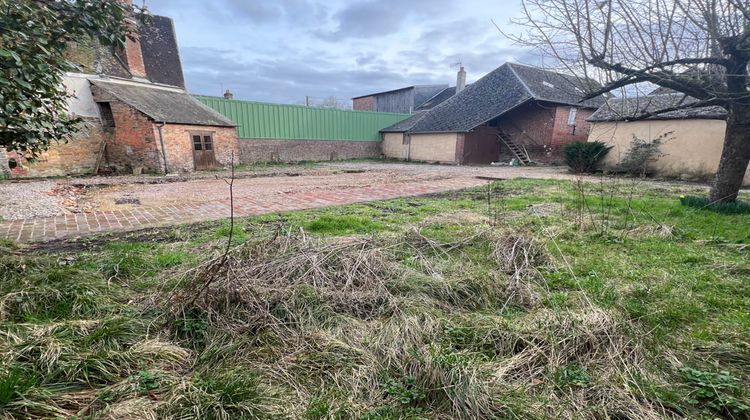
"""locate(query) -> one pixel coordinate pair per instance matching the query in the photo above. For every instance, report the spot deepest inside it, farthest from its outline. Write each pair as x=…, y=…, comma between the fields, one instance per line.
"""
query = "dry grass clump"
x=291, y=279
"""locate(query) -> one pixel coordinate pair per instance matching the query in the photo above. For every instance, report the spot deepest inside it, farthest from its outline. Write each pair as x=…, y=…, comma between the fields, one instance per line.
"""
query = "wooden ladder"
x=518, y=151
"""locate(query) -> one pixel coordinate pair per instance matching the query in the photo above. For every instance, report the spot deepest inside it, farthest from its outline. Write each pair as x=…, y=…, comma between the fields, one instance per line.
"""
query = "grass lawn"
x=525, y=299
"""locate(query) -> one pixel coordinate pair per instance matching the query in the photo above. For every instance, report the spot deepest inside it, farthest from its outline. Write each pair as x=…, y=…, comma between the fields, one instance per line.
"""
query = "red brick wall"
x=77, y=156
x=543, y=130
x=480, y=146
x=530, y=125
x=563, y=134
x=179, y=145
x=135, y=141
x=364, y=104
x=133, y=54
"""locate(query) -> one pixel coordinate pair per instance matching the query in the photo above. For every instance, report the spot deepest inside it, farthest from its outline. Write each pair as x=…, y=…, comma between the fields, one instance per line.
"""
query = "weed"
x=148, y=380
x=703, y=203
x=13, y=383
x=720, y=391
x=571, y=376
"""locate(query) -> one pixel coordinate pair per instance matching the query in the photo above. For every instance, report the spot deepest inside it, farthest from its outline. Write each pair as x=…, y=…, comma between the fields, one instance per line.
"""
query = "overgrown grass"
x=522, y=299
x=738, y=207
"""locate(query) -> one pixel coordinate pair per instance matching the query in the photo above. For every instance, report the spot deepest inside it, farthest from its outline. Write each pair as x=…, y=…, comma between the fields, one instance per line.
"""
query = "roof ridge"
x=520, y=79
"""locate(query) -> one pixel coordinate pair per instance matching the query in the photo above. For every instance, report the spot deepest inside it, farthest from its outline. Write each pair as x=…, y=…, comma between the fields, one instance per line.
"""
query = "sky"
x=283, y=50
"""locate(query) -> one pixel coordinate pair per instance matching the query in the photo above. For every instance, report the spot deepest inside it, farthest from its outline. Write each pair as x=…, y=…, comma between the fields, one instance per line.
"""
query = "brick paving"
x=84, y=224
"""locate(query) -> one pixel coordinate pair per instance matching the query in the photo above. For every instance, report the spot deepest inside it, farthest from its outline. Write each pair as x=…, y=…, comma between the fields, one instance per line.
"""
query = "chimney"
x=228, y=94
x=133, y=53
x=461, y=80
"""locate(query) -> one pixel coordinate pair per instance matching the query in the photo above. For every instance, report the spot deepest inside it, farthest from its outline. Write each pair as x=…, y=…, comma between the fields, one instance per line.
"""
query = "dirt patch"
x=166, y=235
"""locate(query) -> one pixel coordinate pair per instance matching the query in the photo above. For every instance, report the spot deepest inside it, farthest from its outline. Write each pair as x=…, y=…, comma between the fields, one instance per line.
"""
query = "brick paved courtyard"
x=193, y=209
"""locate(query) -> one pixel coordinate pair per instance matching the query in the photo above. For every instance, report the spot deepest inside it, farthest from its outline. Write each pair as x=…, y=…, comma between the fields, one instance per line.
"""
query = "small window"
x=197, y=143
x=108, y=119
x=208, y=143
x=572, y=116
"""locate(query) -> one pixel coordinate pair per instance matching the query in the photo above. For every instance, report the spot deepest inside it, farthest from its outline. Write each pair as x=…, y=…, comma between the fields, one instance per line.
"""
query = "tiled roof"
x=405, y=125
x=160, y=54
x=501, y=91
x=161, y=104
x=438, y=99
x=624, y=109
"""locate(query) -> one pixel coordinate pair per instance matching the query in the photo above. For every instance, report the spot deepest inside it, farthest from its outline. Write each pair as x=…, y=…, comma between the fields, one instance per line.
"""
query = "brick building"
x=515, y=109
x=138, y=115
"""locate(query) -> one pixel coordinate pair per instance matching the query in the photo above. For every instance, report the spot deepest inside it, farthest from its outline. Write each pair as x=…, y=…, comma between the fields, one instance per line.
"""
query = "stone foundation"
x=254, y=150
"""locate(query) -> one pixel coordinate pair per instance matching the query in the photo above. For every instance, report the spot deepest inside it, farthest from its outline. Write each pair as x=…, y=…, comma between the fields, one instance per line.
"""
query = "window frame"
x=572, y=115
x=202, y=135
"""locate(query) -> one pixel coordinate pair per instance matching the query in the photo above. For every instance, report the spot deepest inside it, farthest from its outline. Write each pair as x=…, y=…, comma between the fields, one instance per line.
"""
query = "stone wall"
x=257, y=150
x=178, y=144
x=76, y=157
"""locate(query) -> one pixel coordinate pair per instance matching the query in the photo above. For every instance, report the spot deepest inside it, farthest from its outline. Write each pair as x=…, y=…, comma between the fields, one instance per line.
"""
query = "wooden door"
x=203, y=151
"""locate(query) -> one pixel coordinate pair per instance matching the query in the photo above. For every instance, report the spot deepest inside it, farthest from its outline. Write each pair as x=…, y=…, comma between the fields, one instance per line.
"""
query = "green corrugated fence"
x=257, y=120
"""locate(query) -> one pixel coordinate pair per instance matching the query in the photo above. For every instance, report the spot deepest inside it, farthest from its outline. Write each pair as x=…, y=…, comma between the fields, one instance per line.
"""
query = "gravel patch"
x=23, y=200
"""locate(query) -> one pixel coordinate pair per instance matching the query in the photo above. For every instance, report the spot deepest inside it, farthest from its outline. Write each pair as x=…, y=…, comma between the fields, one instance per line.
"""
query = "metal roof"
x=436, y=87
x=258, y=120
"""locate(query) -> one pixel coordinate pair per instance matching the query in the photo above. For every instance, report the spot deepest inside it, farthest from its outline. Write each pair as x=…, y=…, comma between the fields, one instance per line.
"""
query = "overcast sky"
x=282, y=50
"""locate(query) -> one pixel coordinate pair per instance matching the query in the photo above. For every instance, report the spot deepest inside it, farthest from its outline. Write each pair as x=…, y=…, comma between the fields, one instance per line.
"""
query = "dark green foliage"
x=640, y=154
x=584, y=157
x=13, y=383
x=572, y=376
x=719, y=391
x=33, y=40
x=703, y=203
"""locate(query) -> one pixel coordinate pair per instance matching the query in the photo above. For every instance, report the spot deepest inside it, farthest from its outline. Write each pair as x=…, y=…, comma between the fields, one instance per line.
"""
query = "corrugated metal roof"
x=258, y=120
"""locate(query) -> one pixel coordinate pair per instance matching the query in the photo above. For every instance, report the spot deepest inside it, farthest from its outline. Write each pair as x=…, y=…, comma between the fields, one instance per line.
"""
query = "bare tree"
x=700, y=48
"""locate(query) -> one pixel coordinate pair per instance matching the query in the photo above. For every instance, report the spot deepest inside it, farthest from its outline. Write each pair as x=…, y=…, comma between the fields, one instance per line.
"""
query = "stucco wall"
x=438, y=147
x=692, y=149
x=393, y=146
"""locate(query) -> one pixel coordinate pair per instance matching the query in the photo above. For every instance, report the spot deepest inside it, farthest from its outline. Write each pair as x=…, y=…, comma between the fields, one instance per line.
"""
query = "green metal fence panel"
x=257, y=120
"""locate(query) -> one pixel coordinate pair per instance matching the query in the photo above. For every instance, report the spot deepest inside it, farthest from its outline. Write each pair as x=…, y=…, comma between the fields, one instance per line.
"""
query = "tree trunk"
x=734, y=158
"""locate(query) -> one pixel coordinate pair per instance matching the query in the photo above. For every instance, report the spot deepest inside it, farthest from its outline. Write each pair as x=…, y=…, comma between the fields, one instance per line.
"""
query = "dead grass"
x=453, y=316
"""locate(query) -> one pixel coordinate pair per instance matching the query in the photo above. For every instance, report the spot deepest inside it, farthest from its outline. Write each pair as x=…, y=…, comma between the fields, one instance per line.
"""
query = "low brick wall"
x=254, y=150
x=76, y=157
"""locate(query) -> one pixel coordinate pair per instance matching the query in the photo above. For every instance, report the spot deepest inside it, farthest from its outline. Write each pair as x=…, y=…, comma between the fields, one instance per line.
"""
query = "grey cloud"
x=260, y=51
x=286, y=79
x=376, y=18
